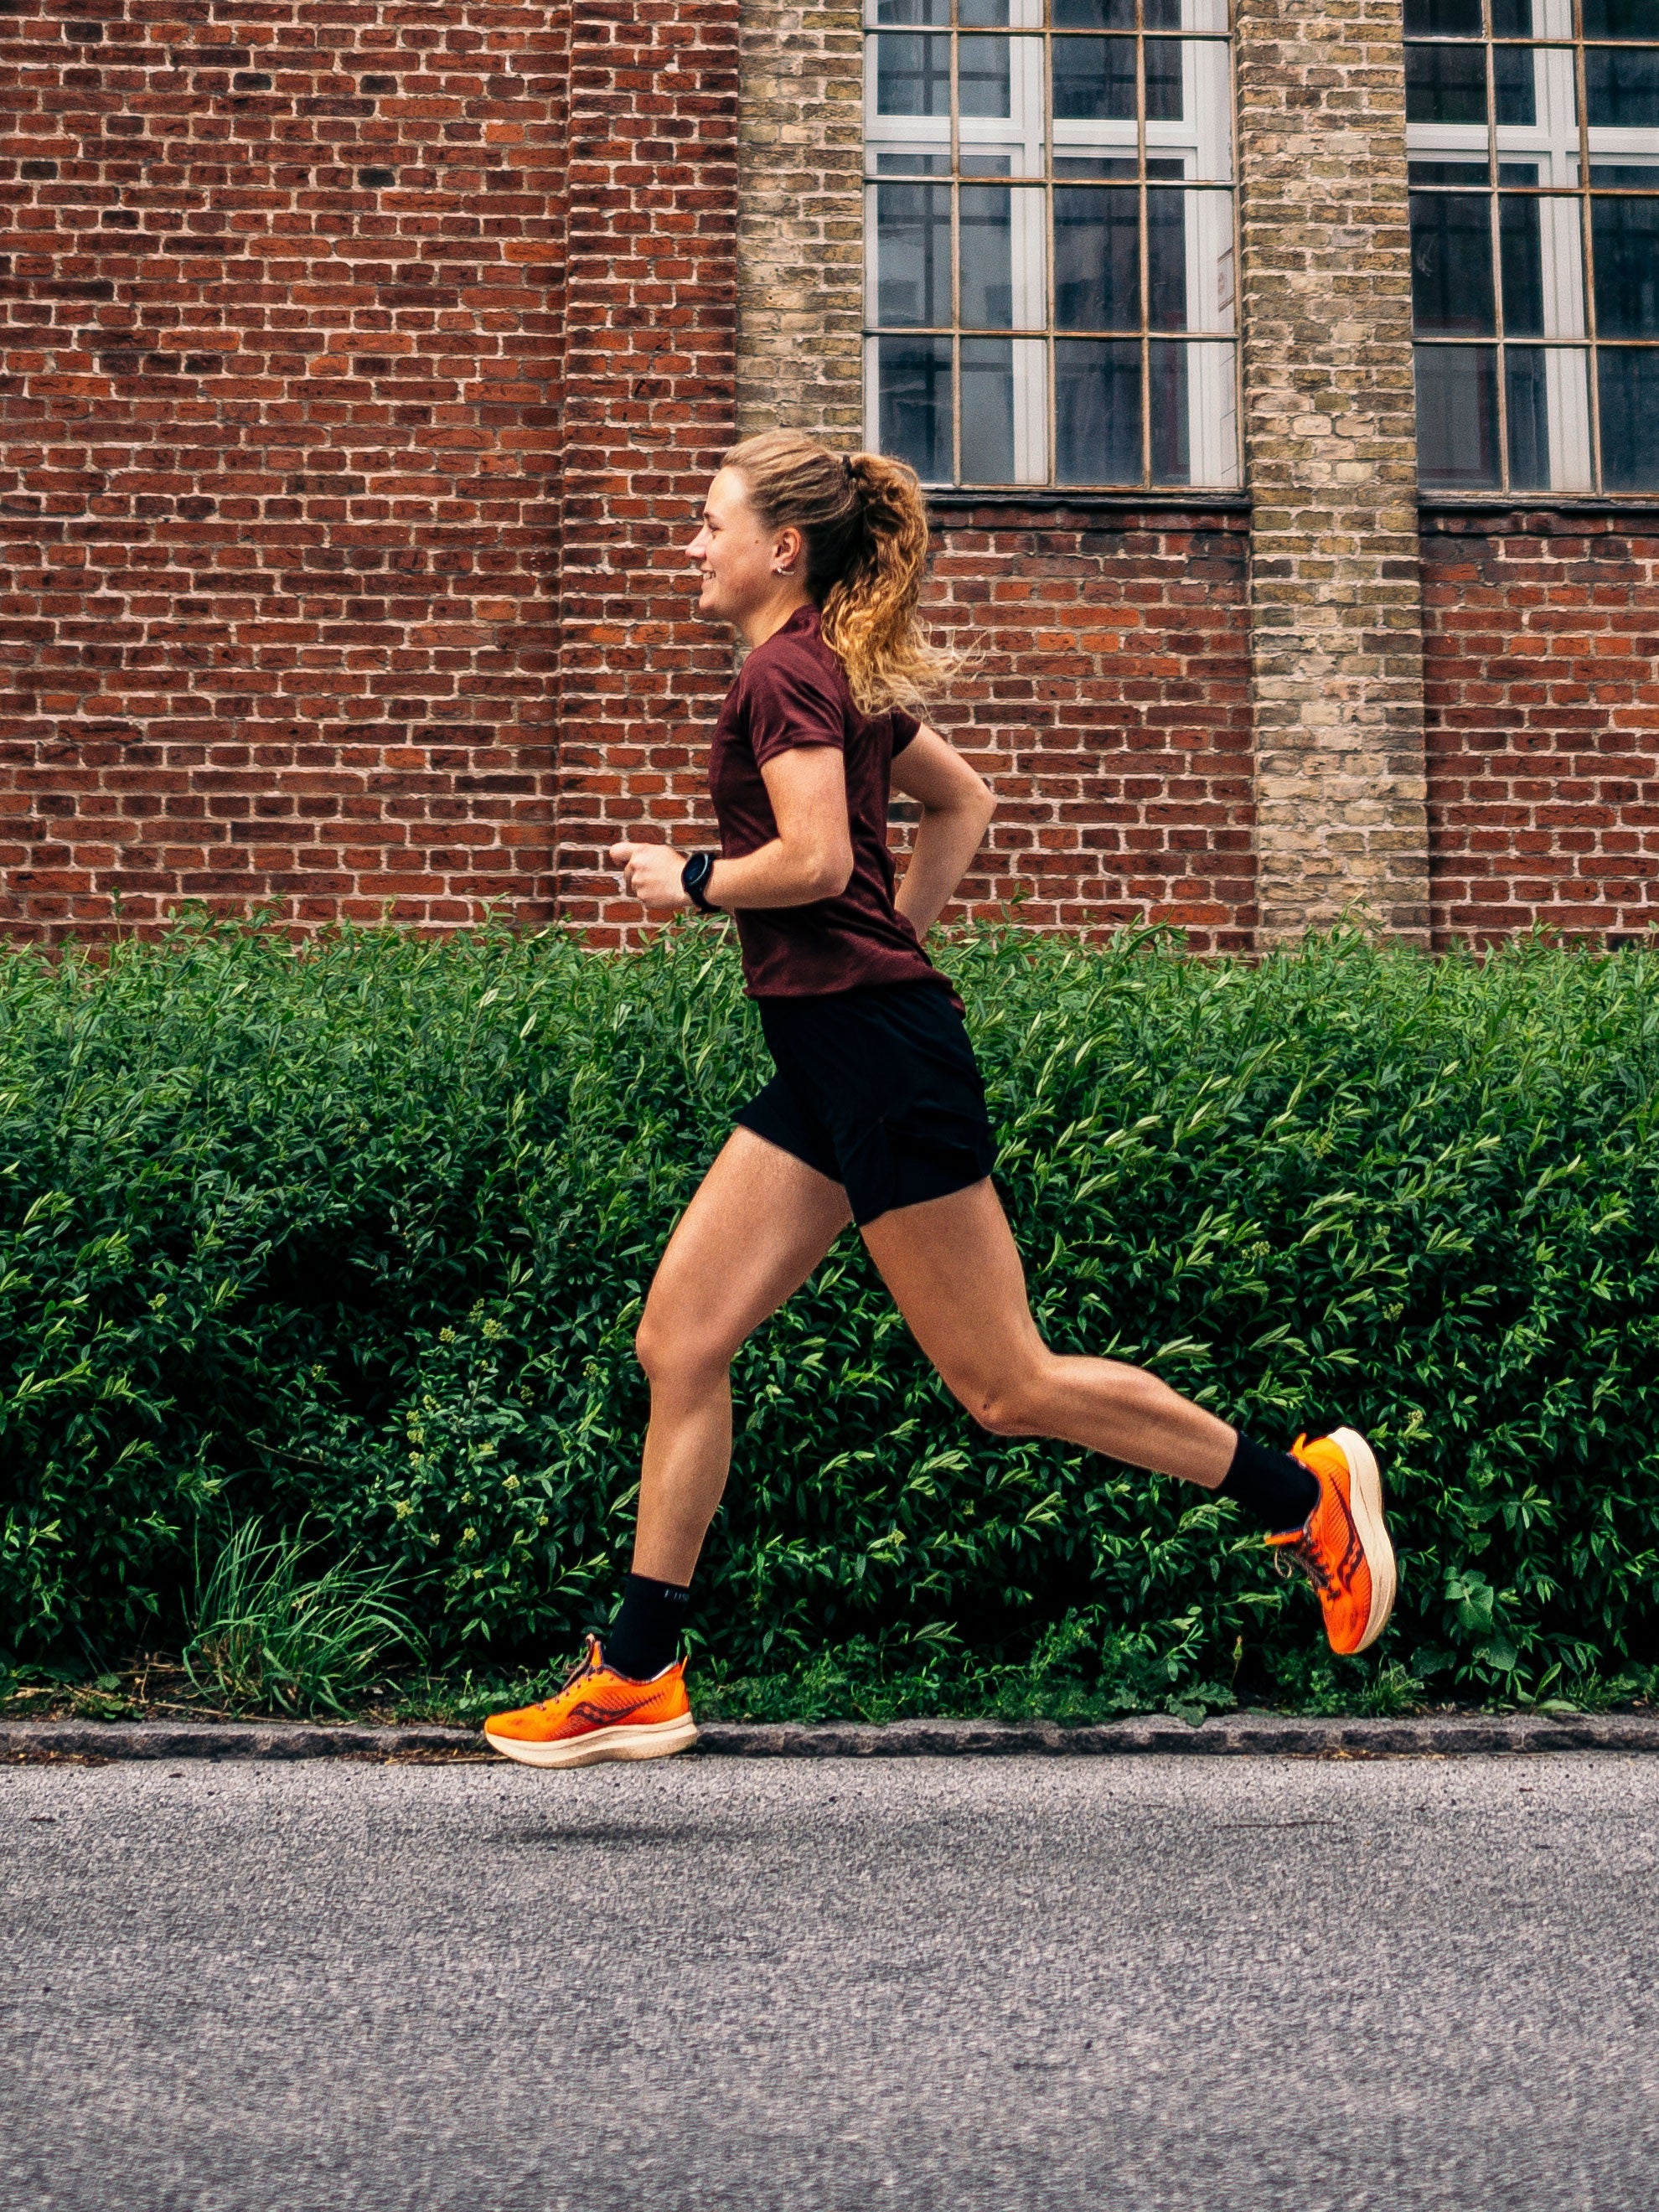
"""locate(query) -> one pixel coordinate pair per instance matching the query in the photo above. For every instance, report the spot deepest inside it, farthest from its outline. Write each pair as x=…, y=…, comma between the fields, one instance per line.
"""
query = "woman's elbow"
x=832, y=872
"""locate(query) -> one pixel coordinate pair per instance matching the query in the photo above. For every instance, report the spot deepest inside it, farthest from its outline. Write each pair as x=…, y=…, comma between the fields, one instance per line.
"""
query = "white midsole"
x=657, y=1740
x=1365, y=1502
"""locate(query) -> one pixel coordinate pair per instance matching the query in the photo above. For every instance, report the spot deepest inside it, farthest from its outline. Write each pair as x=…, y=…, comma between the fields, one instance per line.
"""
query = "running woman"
x=876, y=1114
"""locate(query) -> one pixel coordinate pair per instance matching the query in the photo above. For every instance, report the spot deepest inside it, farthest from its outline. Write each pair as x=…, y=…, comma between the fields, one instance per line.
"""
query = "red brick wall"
x=652, y=404
x=1110, y=710
x=1542, y=689
x=1108, y=705
x=280, y=428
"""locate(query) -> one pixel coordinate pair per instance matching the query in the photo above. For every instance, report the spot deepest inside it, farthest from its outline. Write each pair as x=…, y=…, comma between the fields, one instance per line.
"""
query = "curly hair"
x=863, y=523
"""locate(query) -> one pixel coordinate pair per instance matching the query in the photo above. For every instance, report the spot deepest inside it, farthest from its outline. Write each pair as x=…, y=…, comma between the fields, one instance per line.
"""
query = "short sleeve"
x=905, y=727
x=791, y=703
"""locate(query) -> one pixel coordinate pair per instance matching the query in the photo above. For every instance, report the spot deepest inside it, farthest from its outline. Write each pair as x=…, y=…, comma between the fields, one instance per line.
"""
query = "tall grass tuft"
x=267, y=1632
x=358, y=1232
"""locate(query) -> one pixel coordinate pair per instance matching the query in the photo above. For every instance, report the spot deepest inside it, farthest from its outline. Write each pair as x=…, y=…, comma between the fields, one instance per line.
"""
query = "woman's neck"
x=767, y=621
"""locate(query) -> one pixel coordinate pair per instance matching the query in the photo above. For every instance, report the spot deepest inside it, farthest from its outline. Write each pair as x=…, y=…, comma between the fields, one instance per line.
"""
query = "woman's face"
x=744, y=565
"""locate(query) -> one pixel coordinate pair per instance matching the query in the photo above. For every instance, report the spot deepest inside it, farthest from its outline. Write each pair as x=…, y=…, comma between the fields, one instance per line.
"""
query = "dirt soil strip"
x=1431, y=1735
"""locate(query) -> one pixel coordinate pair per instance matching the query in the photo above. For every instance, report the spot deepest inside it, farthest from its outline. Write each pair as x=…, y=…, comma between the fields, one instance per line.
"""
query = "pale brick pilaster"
x=800, y=234
x=1336, y=600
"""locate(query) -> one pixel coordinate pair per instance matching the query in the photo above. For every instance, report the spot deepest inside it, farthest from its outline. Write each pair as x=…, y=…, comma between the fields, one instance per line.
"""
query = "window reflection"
x=1048, y=240
x=1498, y=162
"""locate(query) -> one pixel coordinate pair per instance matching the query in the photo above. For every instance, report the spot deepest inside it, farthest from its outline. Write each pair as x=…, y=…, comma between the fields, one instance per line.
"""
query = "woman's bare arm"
x=957, y=805
x=810, y=857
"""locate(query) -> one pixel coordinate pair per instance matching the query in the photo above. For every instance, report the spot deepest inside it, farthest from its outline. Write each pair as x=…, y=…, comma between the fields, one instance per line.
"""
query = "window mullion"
x=956, y=253
x=1495, y=247
x=1587, y=238
x=1145, y=248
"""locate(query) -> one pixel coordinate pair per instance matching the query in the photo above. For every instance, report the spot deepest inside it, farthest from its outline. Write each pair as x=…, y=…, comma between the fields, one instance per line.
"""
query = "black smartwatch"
x=693, y=876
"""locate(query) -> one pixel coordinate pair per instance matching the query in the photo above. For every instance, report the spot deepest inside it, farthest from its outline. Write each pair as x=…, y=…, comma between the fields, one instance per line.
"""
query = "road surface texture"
x=721, y=1985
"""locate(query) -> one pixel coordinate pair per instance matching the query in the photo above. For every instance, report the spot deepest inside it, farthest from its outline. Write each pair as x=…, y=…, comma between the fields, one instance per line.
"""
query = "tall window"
x=1049, y=241
x=1533, y=130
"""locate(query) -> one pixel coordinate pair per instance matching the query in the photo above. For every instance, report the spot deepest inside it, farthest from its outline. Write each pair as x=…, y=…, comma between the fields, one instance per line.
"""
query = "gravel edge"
x=1222, y=1735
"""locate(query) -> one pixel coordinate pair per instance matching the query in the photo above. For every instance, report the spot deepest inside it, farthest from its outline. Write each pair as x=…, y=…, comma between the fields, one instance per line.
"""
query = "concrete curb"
x=1446, y=1735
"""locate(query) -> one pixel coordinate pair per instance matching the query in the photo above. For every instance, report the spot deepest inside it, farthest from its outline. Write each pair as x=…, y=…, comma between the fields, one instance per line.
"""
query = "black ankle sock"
x=646, y=1634
x=1273, y=1488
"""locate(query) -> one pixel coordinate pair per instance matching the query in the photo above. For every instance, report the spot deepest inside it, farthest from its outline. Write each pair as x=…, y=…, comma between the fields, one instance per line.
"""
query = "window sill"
x=955, y=499
x=1642, y=504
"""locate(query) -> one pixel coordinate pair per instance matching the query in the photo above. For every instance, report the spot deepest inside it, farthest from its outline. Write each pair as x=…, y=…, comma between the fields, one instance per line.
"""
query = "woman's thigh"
x=954, y=1274
x=760, y=1222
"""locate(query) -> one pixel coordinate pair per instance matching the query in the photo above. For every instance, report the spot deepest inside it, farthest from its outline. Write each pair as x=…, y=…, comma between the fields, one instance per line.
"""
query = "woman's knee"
x=673, y=1352
x=1013, y=1404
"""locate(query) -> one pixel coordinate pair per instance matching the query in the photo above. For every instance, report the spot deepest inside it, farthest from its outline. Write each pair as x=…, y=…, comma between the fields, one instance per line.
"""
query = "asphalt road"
x=720, y=1985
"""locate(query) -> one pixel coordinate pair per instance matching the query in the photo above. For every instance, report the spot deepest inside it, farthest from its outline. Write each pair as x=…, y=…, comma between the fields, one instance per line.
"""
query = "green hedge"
x=360, y=1232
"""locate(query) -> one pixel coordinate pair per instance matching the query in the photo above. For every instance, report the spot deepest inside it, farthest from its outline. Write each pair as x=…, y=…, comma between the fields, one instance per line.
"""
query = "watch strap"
x=694, y=876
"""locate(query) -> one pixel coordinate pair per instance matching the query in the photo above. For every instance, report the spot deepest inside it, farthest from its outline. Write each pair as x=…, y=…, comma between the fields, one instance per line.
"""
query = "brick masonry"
x=800, y=308
x=1336, y=621
x=1109, y=699
x=278, y=443
x=1110, y=708
x=1542, y=681
x=363, y=367
x=651, y=377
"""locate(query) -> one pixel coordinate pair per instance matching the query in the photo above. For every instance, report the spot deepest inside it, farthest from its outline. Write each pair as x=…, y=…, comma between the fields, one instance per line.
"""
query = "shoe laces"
x=1294, y=1550
x=589, y=1663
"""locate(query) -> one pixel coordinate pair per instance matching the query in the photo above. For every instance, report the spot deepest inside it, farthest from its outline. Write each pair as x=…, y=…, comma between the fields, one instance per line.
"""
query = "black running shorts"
x=876, y=1088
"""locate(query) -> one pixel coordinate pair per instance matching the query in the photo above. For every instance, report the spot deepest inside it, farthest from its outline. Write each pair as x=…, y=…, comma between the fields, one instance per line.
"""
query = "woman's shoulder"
x=794, y=661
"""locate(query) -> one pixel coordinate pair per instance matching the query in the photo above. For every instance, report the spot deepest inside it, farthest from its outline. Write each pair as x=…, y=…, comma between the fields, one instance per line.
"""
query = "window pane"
x=1621, y=87
x=913, y=253
x=988, y=410
x=1527, y=397
x=913, y=165
x=1094, y=15
x=1097, y=260
x=914, y=375
x=1166, y=260
x=1102, y=164
x=1164, y=103
x=987, y=271
x=1621, y=19
x=1445, y=84
x=1628, y=377
x=1451, y=264
x=982, y=15
x=913, y=75
x=936, y=13
x=1443, y=19
x=1095, y=80
x=1515, y=18
x=982, y=76
x=1625, y=239
x=1209, y=111
x=1096, y=411
x=1172, y=446
x=1457, y=170
x=1521, y=250
x=1457, y=416
x=1515, y=84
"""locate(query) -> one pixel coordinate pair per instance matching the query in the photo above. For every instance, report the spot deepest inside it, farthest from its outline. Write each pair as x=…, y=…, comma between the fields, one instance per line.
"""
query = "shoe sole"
x=659, y=1739
x=1365, y=1504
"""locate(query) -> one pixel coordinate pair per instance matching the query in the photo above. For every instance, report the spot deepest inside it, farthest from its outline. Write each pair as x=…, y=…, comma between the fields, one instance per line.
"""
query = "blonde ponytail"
x=865, y=526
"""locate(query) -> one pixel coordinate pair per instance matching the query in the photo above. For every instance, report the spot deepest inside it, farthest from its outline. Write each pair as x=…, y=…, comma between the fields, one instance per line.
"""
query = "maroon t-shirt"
x=793, y=691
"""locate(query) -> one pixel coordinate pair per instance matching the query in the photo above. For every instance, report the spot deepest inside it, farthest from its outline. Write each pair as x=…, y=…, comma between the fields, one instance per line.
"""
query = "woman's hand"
x=651, y=874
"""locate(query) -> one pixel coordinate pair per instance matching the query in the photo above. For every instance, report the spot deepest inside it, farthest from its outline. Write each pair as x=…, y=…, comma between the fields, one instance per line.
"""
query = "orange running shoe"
x=1343, y=1544
x=598, y=1714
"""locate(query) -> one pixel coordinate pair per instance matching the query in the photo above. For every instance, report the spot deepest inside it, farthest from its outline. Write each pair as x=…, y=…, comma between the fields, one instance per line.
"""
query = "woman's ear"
x=788, y=548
